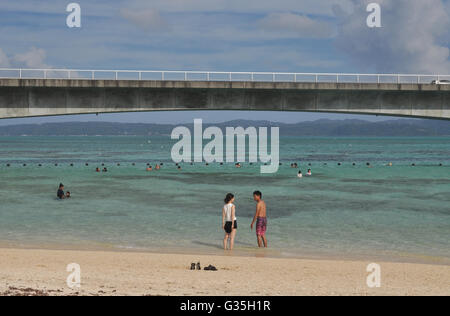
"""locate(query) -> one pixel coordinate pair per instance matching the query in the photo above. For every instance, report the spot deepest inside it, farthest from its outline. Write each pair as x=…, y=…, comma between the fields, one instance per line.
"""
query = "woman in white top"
x=229, y=223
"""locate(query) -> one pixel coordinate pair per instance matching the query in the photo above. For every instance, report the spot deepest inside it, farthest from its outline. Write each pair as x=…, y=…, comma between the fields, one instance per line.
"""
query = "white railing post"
x=317, y=78
x=295, y=77
x=162, y=75
x=229, y=76
x=93, y=75
x=20, y=73
x=45, y=74
x=68, y=74
x=207, y=76
x=140, y=75
x=253, y=77
x=273, y=77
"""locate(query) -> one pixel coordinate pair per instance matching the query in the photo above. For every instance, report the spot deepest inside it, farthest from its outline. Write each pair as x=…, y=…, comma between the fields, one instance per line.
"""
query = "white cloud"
x=300, y=25
x=34, y=58
x=4, y=60
x=413, y=38
x=317, y=7
x=148, y=19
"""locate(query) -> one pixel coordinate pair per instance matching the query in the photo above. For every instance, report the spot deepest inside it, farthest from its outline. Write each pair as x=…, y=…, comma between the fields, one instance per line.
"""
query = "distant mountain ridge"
x=322, y=127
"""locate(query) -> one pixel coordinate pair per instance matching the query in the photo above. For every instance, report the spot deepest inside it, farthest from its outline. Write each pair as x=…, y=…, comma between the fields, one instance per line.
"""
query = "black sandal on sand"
x=198, y=266
x=192, y=266
x=210, y=268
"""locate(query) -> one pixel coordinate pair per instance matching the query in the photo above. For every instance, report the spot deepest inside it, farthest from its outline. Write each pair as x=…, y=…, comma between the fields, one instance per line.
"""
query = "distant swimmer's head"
x=61, y=186
x=97, y=169
x=257, y=196
x=179, y=168
x=67, y=194
x=229, y=198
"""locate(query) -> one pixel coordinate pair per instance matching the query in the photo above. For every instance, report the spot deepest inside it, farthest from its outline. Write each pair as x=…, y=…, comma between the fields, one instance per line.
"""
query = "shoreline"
x=240, y=252
x=43, y=272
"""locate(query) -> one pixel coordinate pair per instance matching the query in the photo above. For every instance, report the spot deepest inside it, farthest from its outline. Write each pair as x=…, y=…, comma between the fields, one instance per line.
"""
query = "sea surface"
x=345, y=210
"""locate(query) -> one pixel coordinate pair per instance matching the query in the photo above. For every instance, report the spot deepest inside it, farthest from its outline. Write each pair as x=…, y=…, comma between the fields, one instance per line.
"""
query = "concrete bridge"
x=74, y=93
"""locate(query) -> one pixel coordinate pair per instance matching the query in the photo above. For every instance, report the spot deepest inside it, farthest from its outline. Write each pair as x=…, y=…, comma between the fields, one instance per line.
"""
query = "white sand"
x=125, y=273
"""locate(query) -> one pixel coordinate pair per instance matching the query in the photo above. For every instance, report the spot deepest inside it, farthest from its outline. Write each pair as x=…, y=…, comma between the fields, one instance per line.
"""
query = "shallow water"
x=399, y=213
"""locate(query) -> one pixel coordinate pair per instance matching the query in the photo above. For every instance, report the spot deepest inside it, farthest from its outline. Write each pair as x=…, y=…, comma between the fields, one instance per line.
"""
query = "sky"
x=226, y=35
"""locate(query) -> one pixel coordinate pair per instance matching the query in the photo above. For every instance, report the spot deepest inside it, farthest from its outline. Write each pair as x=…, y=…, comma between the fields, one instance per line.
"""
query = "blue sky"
x=226, y=35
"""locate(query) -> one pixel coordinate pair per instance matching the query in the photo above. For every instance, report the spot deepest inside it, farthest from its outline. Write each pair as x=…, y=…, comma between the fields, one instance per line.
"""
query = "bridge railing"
x=217, y=76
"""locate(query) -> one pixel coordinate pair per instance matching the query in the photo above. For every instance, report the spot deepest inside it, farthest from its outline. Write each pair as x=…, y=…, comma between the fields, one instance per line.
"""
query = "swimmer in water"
x=300, y=175
x=309, y=173
x=157, y=167
x=179, y=168
x=60, y=194
x=97, y=169
x=68, y=195
x=149, y=168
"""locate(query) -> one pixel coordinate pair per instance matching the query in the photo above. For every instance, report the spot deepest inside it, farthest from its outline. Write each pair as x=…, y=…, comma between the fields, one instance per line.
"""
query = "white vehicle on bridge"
x=440, y=82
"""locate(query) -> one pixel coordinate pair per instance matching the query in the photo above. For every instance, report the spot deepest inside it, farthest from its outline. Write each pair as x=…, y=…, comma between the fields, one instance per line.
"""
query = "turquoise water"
x=399, y=213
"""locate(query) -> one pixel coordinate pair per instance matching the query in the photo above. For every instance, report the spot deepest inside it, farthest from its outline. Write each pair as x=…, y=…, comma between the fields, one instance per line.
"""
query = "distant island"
x=323, y=127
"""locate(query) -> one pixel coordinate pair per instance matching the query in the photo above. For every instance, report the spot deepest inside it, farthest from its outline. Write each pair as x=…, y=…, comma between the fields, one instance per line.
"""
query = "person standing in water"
x=261, y=219
x=229, y=222
x=60, y=194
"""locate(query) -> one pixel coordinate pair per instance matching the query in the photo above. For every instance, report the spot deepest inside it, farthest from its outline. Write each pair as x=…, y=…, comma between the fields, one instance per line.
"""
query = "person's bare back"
x=261, y=209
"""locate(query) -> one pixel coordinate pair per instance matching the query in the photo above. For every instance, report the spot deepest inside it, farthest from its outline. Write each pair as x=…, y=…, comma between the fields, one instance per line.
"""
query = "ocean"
x=345, y=210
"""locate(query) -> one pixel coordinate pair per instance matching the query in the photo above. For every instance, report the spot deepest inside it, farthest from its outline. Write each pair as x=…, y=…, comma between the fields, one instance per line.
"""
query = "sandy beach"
x=43, y=272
